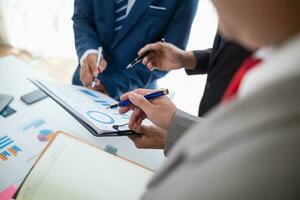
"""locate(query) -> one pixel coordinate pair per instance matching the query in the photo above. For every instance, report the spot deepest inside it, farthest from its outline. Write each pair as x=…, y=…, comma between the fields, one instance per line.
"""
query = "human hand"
x=160, y=111
x=101, y=88
x=166, y=57
x=89, y=69
x=151, y=137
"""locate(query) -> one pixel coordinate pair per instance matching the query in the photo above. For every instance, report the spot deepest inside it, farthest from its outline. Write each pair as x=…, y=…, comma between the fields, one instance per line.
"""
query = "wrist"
x=189, y=60
x=86, y=54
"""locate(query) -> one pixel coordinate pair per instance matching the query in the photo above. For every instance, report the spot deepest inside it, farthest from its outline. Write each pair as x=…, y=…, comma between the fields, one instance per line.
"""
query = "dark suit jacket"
x=147, y=22
x=220, y=64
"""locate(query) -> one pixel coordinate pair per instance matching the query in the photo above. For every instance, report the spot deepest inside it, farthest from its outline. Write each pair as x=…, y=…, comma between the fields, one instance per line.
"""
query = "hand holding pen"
x=142, y=55
x=100, y=58
x=90, y=67
x=160, y=110
x=148, y=96
x=166, y=57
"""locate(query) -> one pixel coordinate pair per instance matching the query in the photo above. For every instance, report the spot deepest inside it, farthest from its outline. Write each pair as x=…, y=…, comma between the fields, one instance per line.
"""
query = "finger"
x=145, y=61
x=141, y=102
x=93, y=65
x=158, y=46
x=139, y=122
x=143, y=91
x=85, y=75
x=135, y=117
x=143, y=50
x=150, y=66
x=140, y=129
x=102, y=65
x=97, y=82
x=123, y=110
x=139, y=91
x=126, y=96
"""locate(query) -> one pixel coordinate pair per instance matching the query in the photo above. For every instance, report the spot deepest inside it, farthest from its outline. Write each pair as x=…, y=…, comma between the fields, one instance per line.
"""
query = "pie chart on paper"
x=45, y=135
x=100, y=117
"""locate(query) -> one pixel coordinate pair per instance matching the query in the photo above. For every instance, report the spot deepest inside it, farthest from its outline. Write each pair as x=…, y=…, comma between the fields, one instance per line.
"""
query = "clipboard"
x=116, y=128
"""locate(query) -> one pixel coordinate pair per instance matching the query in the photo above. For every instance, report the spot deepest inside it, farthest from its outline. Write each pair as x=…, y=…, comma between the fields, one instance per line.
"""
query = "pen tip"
x=112, y=106
x=129, y=66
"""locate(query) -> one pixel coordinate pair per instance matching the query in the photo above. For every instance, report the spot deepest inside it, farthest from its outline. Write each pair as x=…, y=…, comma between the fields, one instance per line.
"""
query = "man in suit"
x=121, y=28
x=248, y=147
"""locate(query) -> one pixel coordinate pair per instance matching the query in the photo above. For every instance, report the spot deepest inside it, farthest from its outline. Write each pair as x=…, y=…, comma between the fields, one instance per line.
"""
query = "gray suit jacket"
x=181, y=122
x=248, y=149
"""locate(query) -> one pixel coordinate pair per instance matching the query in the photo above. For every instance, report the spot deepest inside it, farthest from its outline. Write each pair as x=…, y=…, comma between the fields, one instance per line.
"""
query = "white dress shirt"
x=278, y=63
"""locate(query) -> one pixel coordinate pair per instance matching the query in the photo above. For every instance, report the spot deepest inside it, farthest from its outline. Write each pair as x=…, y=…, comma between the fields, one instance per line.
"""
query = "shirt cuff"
x=86, y=53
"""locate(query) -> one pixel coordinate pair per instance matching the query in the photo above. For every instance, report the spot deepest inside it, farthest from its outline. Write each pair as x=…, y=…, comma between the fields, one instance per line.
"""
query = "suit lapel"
x=138, y=9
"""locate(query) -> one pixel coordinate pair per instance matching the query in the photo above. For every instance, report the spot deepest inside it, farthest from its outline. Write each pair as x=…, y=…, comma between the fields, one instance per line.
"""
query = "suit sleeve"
x=177, y=32
x=181, y=122
x=203, y=60
x=86, y=36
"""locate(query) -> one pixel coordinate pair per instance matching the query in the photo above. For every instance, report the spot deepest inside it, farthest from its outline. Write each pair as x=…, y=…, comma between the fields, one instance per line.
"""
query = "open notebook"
x=89, y=107
x=71, y=169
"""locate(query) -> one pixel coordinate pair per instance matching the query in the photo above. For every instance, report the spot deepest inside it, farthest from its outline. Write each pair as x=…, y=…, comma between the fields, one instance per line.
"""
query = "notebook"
x=71, y=169
x=89, y=107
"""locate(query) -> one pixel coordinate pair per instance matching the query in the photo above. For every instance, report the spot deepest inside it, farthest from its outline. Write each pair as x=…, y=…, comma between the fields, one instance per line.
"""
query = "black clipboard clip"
x=117, y=127
x=119, y=132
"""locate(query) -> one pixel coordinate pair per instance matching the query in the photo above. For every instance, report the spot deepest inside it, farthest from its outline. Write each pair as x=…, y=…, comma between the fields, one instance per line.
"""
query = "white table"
x=13, y=81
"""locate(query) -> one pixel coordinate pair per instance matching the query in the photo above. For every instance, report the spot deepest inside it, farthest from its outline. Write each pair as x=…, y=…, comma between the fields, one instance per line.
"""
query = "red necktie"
x=234, y=85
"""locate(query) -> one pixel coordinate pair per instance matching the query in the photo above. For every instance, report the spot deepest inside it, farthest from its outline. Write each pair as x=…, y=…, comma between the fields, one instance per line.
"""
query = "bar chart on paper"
x=20, y=147
x=8, y=148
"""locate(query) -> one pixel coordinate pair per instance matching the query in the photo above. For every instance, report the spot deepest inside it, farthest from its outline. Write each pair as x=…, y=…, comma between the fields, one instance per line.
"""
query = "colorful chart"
x=8, y=148
x=45, y=135
x=89, y=93
x=103, y=103
x=100, y=117
x=95, y=98
x=35, y=124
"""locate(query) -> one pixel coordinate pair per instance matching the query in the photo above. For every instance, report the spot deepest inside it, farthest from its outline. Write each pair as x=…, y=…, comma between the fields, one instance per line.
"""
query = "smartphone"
x=33, y=97
x=5, y=101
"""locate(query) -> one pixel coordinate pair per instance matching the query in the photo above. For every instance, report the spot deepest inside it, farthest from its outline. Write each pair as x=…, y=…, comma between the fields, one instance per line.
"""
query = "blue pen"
x=147, y=96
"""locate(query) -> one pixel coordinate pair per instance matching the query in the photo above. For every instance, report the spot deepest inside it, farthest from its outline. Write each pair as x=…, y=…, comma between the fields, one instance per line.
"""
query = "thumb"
x=102, y=65
x=140, y=101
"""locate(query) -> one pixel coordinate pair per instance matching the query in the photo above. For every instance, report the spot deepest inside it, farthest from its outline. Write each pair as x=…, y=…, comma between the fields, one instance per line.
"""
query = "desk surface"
x=13, y=81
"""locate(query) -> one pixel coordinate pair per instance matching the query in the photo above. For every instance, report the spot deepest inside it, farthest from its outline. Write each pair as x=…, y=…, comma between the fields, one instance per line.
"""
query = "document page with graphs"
x=72, y=169
x=89, y=107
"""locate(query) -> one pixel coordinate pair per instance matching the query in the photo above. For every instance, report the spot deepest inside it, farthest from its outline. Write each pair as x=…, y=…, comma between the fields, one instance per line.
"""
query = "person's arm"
x=177, y=33
x=202, y=63
x=181, y=122
x=86, y=37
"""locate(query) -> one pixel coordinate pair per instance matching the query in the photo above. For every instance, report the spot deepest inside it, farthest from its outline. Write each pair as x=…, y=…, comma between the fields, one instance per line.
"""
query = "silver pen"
x=99, y=57
x=139, y=59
